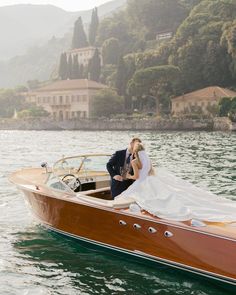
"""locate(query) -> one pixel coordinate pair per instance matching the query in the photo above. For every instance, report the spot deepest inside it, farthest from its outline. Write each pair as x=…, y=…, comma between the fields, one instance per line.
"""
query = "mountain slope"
x=29, y=38
x=26, y=25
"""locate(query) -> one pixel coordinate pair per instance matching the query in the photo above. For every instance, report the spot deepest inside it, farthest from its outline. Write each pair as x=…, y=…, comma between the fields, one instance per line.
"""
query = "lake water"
x=36, y=261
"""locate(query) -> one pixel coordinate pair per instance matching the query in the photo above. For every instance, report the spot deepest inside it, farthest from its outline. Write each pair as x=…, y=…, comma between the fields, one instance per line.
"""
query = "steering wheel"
x=73, y=182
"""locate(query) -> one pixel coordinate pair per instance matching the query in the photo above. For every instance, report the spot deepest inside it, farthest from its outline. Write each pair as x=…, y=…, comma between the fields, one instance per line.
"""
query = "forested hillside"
x=202, y=51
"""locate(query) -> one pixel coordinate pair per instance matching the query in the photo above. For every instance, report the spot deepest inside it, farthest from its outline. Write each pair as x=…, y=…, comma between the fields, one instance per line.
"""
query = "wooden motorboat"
x=73, y=198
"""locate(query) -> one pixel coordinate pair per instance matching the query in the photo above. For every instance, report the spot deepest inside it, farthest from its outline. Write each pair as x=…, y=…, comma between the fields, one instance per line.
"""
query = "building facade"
x=83, y=54
x=66, y=99
x=203, y=101
x=164, y=35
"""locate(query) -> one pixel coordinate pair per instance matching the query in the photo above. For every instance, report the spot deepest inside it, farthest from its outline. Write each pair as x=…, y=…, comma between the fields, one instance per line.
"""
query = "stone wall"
x=222, y=124
x=144, y=124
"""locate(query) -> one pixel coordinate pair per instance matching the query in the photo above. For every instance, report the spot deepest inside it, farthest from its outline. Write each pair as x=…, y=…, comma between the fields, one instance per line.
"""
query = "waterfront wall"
x=223, y=124
x=105, y=124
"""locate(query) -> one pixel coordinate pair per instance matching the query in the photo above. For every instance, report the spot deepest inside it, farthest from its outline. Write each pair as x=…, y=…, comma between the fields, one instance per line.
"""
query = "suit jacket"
x=116, y=163
x=114, y=167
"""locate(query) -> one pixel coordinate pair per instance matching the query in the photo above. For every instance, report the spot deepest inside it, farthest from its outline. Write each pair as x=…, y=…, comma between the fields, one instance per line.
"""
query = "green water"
x=36, y=261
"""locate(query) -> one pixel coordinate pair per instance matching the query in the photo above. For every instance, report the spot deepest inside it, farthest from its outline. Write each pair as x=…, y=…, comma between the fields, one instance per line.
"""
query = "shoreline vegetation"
x=173, y=124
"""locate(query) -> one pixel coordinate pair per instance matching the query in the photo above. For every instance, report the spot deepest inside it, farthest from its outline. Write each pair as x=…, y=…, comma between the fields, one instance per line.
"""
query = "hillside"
x=23, y=26
x=35, y=37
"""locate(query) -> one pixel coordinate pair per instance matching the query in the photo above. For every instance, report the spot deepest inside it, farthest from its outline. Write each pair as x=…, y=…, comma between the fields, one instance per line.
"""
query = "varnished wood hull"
x=196, y=250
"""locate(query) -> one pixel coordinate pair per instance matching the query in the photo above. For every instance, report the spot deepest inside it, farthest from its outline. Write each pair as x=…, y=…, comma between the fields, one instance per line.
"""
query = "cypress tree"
x=121, y=77
x=75, y=67
x=94, y=66
x=63, y=66
x=79, y=39
x=111, y=51
x=93, y=27
x=70, y=74
x=81, y=71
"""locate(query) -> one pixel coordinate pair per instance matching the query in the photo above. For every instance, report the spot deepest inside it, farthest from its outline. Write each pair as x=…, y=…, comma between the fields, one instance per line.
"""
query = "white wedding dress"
x=143, y=173
x=167, y=196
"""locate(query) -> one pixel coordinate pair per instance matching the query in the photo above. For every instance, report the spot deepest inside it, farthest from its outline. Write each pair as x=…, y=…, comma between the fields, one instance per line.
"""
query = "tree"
x=232, y=112
x=75, y=67
x=93, y=27
x=148, y=17
x=200, y=50
x=10, y=101
x=116, y=27
x=107, y=103
x=81, y=71
x=70, y=70
x=189, y=4
x=33, y=84
x=121, y=77
x=106, y=72
x=155, y=81
x=63, y=67
x=228, y=40
x=79, y=39
x=94, y=66
x=35, y=111
x=224, y=106
x=111, y=51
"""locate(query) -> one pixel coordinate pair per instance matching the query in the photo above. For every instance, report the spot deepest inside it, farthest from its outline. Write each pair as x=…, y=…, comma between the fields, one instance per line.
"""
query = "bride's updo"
x=138, y=147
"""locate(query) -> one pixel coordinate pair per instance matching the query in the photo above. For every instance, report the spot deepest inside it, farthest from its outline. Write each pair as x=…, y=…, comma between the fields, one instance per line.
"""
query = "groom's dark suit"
x=114, y=167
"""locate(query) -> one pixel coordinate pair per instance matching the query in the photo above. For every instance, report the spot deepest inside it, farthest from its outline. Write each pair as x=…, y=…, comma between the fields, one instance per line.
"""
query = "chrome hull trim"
x=143, y=255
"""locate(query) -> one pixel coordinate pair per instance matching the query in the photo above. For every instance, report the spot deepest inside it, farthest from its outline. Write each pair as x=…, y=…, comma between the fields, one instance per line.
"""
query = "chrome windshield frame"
x=83, y=159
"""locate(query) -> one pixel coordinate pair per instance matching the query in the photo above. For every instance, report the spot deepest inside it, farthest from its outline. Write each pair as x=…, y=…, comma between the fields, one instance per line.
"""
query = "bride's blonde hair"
x=138, y=148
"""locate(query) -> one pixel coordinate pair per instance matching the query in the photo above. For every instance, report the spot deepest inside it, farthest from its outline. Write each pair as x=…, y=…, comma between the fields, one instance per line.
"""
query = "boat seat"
x=92, y=191
x=119, y=203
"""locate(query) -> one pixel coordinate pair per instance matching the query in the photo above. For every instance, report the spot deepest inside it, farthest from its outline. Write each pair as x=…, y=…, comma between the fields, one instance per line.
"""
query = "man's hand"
x=118, y=178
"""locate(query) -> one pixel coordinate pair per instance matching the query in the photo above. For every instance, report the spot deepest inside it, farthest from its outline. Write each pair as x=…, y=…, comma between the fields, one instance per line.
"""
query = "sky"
x=69, y=5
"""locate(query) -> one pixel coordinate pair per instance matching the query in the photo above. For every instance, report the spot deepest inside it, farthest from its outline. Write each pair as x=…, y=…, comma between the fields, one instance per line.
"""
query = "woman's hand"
x=129, y=176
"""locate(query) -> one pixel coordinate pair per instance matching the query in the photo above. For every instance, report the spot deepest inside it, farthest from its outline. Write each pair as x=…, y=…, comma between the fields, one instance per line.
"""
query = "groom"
x=117, y=168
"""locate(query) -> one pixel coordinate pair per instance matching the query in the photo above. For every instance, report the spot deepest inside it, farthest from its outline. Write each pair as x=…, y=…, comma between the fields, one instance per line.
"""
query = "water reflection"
x=66, y=266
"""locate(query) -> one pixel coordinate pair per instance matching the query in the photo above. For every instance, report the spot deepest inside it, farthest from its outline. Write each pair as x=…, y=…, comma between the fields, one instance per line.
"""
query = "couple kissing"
x=128, y=168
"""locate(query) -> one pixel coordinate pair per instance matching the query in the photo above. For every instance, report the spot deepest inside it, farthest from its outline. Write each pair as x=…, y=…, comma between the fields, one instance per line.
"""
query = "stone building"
x=203, y=100
x=163, y=35
x=66, y=99
x=84, y=54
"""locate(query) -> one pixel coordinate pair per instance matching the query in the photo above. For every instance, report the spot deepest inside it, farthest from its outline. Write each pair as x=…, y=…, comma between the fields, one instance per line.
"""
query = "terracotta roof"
x=208, y=92
x=72, y=85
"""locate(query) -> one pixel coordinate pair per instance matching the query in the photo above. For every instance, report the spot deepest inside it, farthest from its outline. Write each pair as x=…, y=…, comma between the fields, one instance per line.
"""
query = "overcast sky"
x=69, y=5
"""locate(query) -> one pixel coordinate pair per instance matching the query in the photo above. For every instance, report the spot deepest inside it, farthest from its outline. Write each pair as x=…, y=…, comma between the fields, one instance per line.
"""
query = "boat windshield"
x=56, y=184
x=84, y=165
x=80, y=173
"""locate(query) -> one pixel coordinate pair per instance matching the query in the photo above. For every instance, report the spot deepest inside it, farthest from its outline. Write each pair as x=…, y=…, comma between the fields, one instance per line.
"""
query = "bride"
x=141, y=166
x=167, y=196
